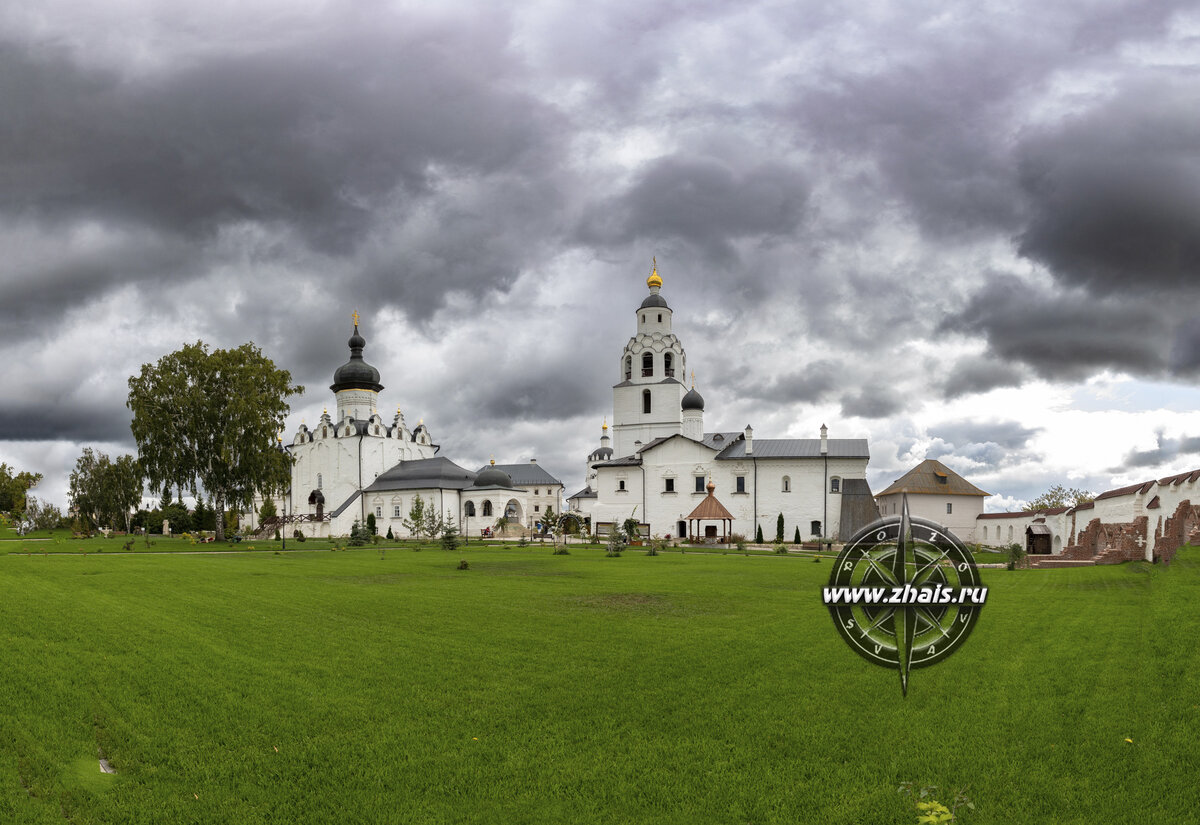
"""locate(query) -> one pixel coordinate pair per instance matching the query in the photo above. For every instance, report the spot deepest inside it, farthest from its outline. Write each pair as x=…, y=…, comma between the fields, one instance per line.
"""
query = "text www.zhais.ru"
x=904, y=595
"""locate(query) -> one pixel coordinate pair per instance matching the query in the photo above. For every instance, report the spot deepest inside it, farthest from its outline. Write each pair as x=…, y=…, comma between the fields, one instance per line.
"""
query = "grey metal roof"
x=1038, y=530
x=523, y=475
x=719, y=441
x=342, y=507
x=586, y=492
x=654, y=300
x=649, y=383
x=627, y=461
x=796, y=448
x=423, y=473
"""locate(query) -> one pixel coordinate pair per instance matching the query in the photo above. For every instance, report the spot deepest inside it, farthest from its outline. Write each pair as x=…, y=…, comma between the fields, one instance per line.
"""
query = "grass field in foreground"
x=369, y=687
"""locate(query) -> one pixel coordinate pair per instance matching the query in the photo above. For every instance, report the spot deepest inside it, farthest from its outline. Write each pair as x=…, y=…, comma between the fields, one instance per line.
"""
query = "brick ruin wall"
x=1180, y=529
x=1110, y=543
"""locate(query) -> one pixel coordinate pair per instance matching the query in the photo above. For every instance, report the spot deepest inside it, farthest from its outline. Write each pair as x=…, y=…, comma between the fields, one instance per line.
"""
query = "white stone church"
x=354, y=463
x=657, y=464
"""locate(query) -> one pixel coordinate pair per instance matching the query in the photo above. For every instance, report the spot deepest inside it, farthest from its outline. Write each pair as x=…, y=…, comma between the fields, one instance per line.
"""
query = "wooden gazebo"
x=710, y=510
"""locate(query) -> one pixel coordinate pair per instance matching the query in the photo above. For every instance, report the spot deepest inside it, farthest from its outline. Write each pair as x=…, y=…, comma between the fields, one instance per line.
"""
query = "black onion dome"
x=493, y=477
x=692, y=401
x=654, y=300
x=356, y=374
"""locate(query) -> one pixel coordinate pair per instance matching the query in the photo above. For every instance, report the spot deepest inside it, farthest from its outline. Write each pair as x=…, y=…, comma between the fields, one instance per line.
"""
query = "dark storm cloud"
x=311, y=134
x=701, y=201
x=973, y=374
x=332, y=143
x=1062, y=336
x=1010, y=435
x=872, y=402
x=808, y=384
x=1115, y=192
x=71, y=420
x=1166, y=450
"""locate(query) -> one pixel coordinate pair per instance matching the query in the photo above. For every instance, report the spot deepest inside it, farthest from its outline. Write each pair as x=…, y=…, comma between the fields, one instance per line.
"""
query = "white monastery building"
x=354, y=464
x=937, y=493
x=657, y=463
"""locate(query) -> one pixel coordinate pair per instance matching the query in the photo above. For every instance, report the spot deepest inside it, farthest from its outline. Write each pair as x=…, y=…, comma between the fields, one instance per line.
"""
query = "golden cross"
x=693, y=379
x=354, y=315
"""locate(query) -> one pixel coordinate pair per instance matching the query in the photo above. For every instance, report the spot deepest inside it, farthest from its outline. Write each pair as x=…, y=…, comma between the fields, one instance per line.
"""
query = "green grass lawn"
x=686, y=688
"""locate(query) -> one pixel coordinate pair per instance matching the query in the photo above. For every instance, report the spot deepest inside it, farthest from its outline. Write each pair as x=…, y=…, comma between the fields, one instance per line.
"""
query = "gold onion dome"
x=654, y=281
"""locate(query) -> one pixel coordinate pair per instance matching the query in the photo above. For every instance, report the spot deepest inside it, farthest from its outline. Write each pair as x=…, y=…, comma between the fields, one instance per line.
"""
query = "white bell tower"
x=647, y=399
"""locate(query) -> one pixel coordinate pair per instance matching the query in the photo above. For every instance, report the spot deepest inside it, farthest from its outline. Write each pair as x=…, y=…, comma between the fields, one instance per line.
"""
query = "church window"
x=537, y=508
x=668, y=366
x=628, y=367
x=324, y=432
x=949, y=508
x=487, y=509
x=395, y=511
x=1010, y=532
x=816, y=528
x=835, y=485
x=669, y=485
x=787, y=484
x=660, y=317
x=699, y=484
x=621, y=484
x=536, y=491
x=646, y=401
x=470, y=508
x=647, y=365
x=643, y=319
x=379, y=512
x=318, y=481
x=741, y=484
x=376, y=429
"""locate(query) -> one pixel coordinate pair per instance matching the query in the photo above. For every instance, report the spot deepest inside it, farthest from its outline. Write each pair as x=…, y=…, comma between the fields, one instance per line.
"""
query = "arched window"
x=646, y=401
x=318, y=481
x=787, y=484
x=628, y=367
x=668, y=365
x=470, y=510
x=643, y=319
x=1010, y=532
x=835, y=485
x=324, y=432
x=647, y=365
x=487, y=508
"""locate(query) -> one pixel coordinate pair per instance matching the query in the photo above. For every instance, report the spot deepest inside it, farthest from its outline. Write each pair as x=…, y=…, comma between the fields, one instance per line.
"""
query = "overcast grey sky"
x=965, y=231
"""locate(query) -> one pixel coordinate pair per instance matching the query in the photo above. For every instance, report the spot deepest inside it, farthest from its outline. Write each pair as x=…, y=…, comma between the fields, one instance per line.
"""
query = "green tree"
x=41, y=515
x=208, y=420
x=357, y=534
x=414, y=522
x=103, y=491
x=267, y=510
x=796, y=538
x=1060, y=496
x=13, y=487
x=433, y=523
x=758, y=537
x=779, y=529
x=371, y=523
x=449, y=535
